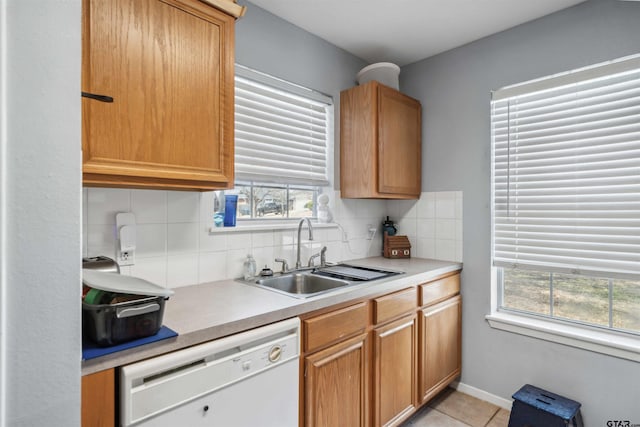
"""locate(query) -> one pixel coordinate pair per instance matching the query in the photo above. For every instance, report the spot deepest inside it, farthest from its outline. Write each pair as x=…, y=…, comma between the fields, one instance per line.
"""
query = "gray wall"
x=454, y=90
x=267, y=43
x=40, y=204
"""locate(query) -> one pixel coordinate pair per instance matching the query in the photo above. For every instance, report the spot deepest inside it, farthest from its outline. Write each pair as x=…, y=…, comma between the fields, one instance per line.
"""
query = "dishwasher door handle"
x=134, y=311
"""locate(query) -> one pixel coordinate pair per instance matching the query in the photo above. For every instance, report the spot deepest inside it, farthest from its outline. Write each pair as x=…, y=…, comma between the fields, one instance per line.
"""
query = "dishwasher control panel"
x=155, y=390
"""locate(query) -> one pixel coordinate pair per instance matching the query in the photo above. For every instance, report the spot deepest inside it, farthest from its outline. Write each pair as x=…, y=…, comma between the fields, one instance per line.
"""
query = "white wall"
x=454, y=89
x=40, y=205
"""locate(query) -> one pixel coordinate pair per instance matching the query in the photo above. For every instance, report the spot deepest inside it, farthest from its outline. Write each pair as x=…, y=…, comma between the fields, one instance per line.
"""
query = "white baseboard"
x=482, y=395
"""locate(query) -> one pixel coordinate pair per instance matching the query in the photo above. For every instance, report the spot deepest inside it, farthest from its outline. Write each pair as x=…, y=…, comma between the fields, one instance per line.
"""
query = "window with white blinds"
x=566, y=172
x=282, y=131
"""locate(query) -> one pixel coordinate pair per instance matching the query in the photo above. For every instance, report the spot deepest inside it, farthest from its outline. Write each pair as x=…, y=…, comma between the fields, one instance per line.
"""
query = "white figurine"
x=324, y=213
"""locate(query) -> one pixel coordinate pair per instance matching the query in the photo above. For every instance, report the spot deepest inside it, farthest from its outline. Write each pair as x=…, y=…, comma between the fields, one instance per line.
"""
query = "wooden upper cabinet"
x=380, y=143
x=169, y=67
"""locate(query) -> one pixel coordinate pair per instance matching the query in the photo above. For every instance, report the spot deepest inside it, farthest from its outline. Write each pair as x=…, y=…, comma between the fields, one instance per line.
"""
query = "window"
x=275, y=202
x=283, y=138
x=566, y=196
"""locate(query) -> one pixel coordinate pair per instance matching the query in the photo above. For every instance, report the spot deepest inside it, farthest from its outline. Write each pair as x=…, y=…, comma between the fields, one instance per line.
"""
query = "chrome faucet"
x=298, y=263
x=322, y=255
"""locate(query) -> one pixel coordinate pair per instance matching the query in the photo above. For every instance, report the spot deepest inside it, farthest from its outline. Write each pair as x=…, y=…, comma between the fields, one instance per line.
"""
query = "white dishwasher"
x=245, y=380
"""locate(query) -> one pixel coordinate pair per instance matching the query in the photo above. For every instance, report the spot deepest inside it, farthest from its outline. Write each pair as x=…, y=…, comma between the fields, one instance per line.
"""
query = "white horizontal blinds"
x=281, y=136
x=566, y=175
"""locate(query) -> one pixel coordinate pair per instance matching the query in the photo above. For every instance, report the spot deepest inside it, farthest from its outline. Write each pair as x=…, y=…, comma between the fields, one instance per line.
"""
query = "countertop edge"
x=289, y=307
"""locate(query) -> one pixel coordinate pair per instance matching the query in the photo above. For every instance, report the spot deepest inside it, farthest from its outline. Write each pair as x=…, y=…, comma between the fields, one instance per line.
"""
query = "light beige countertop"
x=204, y=312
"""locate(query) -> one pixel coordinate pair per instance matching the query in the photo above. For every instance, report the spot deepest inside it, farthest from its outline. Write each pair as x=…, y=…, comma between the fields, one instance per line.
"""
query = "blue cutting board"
x=91, y=350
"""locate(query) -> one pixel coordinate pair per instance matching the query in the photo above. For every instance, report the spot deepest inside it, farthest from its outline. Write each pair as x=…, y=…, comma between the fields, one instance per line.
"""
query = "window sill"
x=267, y=227
x=611, y=343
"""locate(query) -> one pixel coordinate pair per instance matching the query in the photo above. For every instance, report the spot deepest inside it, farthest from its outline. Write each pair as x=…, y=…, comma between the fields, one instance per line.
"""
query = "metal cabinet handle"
x=102, y=98
x=134, y=311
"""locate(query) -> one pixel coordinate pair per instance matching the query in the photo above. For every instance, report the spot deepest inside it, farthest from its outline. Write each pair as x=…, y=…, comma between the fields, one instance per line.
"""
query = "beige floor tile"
x=465, y=408
x=428, y=417
x=500, y=419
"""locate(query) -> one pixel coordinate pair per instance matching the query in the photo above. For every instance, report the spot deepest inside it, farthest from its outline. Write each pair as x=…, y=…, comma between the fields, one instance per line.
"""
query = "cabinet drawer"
x=330, y=327
x=393, y=305
x=439, y=290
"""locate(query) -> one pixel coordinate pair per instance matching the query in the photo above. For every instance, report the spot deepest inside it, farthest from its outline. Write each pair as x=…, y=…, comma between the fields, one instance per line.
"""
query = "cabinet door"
x=336, y=384
x=98, y=399
x=399, y=143
x=394, y=371
x=168, y=65
x=440, y=349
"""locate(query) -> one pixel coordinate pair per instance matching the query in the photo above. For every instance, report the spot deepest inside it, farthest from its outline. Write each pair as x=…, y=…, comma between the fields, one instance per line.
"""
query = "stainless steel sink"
x=355, y=273
x=314, y=281
x=301, y=284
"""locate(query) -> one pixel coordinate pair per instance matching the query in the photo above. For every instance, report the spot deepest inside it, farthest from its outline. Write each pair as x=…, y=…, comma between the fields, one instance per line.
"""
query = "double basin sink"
x=312, y=282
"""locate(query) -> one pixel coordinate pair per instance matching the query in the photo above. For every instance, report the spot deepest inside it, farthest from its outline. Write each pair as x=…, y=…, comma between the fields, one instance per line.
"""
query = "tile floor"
x=454, y=409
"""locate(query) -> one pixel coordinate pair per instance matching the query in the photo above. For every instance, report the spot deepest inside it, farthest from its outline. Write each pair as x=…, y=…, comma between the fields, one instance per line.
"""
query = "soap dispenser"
x=249, y=268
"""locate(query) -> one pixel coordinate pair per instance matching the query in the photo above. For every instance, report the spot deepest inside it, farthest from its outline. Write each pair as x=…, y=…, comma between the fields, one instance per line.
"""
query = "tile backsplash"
x=175, y=247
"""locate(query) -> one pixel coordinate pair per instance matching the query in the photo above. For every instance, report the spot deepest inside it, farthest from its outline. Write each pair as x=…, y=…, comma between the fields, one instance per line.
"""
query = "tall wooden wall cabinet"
x=157, y=106
x=380, y=143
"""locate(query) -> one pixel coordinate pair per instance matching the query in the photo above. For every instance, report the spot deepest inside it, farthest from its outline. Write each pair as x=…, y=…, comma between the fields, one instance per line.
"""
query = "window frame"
x=602, y=339
x=286, y=187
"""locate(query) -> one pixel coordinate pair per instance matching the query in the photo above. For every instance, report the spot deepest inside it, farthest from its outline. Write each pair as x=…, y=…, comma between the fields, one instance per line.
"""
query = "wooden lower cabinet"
x=375, y=362
x=440, y=347
x=98, y=399
x=394, y=371
x=336, y=381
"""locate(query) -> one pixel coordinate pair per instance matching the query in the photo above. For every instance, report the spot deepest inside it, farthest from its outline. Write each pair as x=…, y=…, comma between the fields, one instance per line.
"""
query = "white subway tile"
x=183, y=206
x=151, y=269
x=426, y=228
x=334, y=252
x=445, y=250
x=206, y=207
x=261, y=239
x=235, y=262
x=149, y=206
x=458, y=257
x=426, y=248
x=458, y=235
x=101, y=240
x=348, y=209
x=375, y=248
x=287, y=253
x=212, y=267
x=445, y=229
x=104, y=203
x=212, y=242
x=446, y=204
x=126, y=270
x=182, y=238
x=334, y=234
x=239, y=241
x=427, y=205
x=151, y=240
x=400, y=209
x=264, y=256
x=182, y=270
x=406, y=226
x=321, y=235
x=459, y=204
